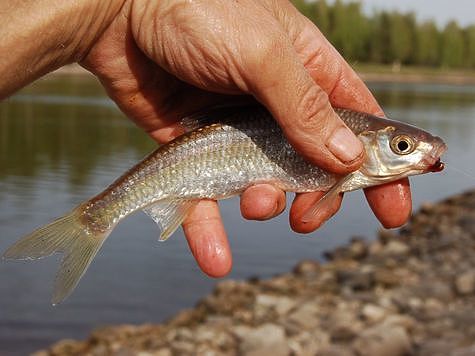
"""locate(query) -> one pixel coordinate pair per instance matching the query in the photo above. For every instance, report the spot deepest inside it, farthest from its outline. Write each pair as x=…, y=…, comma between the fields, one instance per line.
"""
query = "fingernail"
x=345, y=145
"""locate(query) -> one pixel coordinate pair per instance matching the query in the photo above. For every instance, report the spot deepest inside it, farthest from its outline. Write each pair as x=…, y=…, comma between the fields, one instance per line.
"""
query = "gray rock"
x=405, y=321
x=335, y=350
x=383, y=340
x=356, y=280
x=281, y=305
x=183, y=334
x=435, y=347
x=432, y=288
x=375, y=248
x=464, y=351
x=161, y=352
x=343, y=324
x=218, y=321
x=373, y=313
x=182, y=347
x=206, y=350
x=386, y=277
x=268, y=339
x=395, y=247
x=215, y=337
x=305, y=316
x=465, y=283
x=307, y=268
x=307, y=344
x=433, y=307
x=358, y=249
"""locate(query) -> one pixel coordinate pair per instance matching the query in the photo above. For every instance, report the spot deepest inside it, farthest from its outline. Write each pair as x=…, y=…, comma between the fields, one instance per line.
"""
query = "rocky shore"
x=406, y=293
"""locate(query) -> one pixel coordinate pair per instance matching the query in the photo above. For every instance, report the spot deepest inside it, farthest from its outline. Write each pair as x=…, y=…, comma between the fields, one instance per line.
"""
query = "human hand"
x=160, y=61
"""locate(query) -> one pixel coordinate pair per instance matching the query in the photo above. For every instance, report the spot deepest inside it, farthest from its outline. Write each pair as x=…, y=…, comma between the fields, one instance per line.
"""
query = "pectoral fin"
x=169, y=214
x=326, y=199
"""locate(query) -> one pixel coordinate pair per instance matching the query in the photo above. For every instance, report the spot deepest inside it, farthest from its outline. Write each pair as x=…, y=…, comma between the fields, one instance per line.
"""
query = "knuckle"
x=314, y=110
x=260, y=47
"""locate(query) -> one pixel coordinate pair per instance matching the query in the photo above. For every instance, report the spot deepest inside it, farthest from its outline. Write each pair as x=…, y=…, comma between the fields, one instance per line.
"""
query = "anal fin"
x=169, y=214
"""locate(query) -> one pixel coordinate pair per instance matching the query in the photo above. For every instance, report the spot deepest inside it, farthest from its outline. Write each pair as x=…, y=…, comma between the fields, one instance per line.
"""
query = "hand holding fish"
x=161, y=61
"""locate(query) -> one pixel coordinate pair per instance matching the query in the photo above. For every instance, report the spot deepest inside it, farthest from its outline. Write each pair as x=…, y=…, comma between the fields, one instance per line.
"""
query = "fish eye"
x=402, y=144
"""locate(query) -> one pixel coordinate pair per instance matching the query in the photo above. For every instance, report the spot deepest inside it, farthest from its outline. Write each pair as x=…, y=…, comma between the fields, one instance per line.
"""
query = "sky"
x=441, y=11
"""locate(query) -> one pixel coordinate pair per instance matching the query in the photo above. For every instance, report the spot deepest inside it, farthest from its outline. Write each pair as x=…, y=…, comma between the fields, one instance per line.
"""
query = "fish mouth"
x=432, y=161
x=437, y=166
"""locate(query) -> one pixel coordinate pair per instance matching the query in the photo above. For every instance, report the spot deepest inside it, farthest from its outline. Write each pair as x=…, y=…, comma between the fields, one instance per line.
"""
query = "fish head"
x=395, y=150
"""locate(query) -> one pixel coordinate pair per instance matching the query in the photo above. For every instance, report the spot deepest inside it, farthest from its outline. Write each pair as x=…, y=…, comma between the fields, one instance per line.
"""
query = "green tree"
x=379, y=41
x=402, y=37
x=453, y=46
x=349, y=30
x=470, y=46
x=428, y=44
x=390, y=37
x=322, y=16
x=306, y=8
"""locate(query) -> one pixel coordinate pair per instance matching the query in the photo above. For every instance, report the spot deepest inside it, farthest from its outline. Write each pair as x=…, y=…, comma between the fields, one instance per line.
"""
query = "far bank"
x=371, y=73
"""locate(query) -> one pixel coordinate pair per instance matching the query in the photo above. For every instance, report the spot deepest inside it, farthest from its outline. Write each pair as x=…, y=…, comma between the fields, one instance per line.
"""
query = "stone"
x=335, y=350
x=66, y=346
x=218, y=321
x=183, y=334
x=373, y=313
x=385, y=235
x=305, y=316
x=356, y=280
x=397, y=248
x=464, y=351
x=435, y=347
x=433, y=288
x=218, y=338
x=206, y=350
x=281, y=305
x=40, y=353
x=343, y=324
x=268, y=339
x=307, y=268
x=465, y=283
x=165, y=351
x=307, y=344
x=375, y=248
x=405, y=321
x=433, y=306
x=358, y=249
x=182, y=347
x=386, y=277
x=383, y=340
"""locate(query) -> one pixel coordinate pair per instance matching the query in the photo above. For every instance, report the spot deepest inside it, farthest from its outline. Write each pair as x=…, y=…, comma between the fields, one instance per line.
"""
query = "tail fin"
x=66, y=235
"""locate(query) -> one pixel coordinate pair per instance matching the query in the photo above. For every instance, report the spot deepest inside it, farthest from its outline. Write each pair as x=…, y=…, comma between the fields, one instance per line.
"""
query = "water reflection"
x=62, y=129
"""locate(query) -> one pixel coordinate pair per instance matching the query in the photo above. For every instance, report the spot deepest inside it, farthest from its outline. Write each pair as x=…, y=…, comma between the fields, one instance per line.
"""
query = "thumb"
x=278, y=79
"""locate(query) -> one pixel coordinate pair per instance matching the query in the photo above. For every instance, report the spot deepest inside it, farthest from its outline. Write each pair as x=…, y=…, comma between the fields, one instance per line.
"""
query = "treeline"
x=391, y=37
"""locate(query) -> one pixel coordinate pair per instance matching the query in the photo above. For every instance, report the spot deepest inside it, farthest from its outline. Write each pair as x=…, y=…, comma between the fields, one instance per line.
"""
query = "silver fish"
x=225, y=151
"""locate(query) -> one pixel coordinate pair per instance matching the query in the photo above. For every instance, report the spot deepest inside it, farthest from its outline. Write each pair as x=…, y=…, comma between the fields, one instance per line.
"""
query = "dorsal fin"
x=216, y=114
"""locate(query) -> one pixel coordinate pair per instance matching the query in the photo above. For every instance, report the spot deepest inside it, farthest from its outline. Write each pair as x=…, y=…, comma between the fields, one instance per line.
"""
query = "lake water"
x=62, y=141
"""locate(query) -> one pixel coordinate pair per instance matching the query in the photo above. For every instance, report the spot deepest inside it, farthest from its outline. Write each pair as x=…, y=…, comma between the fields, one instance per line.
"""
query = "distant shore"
x=369, y=73
x=406, y=293
x=396, y=74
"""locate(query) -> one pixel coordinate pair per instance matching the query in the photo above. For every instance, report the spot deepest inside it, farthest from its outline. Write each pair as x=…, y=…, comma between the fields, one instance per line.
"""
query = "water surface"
x=62, y=141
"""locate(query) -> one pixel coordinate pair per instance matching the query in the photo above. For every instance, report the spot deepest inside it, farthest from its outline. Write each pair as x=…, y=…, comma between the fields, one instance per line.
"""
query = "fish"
x=223, y=151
